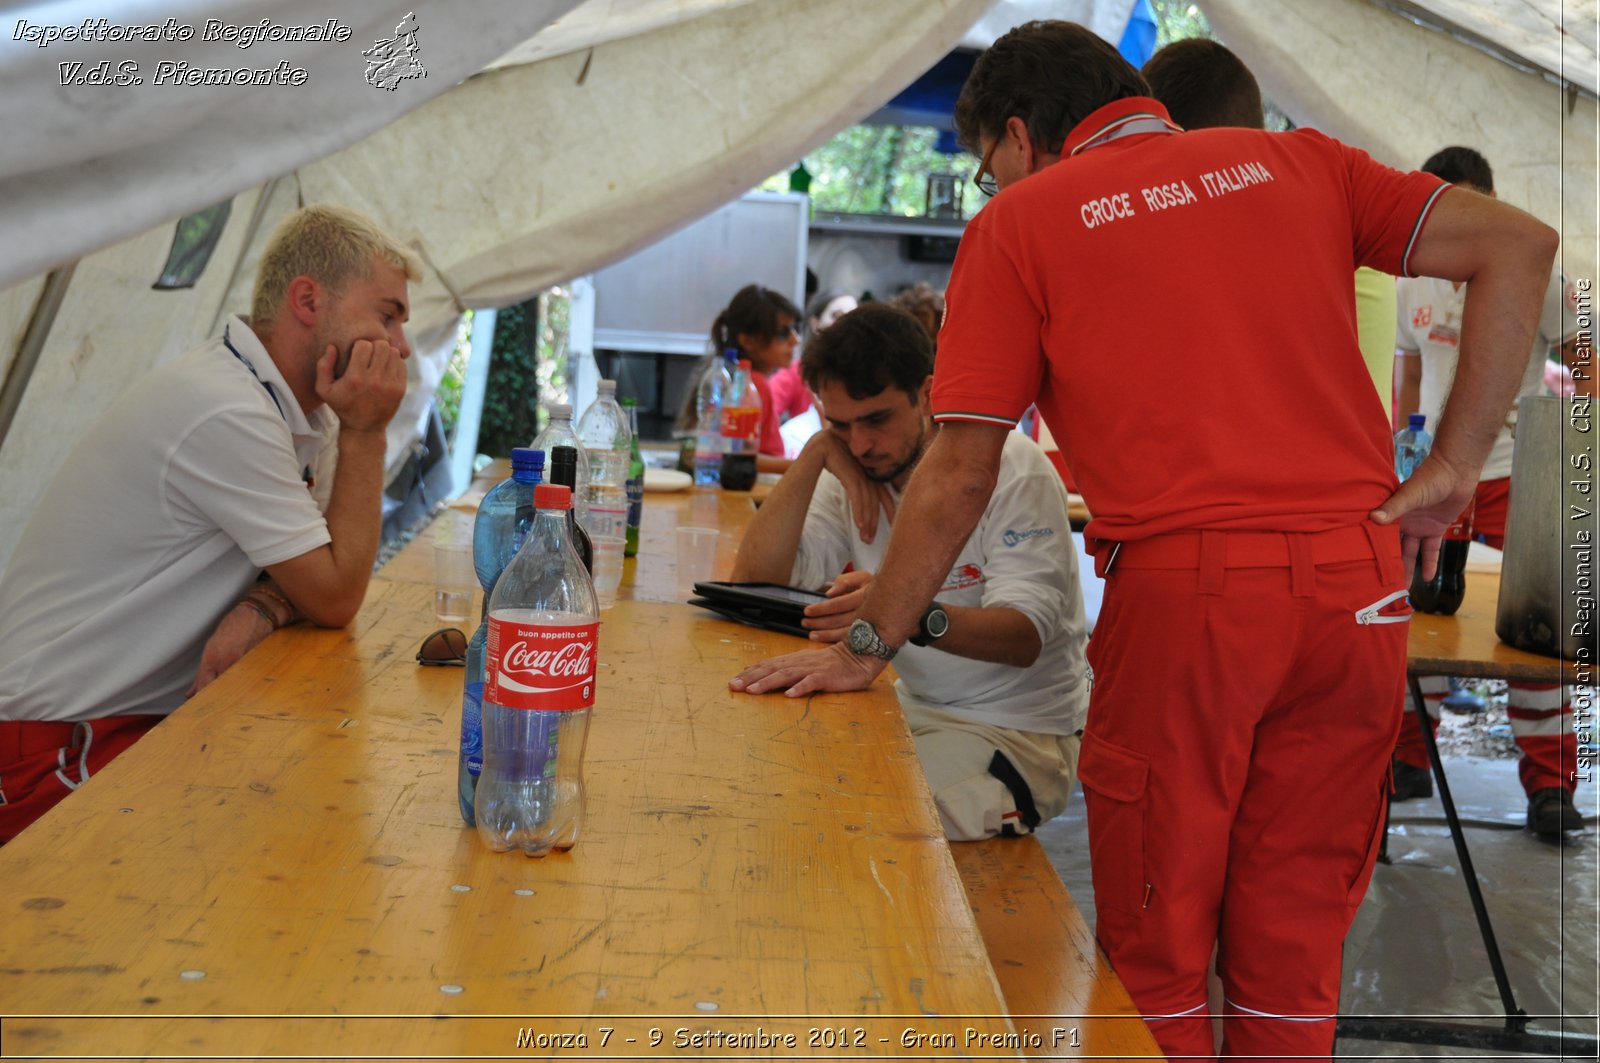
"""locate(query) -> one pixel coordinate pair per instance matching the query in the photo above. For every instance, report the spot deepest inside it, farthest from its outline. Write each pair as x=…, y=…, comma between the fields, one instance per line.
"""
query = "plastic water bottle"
x=741, y=430
x=603, y=431
x=560, y=432
x=635, y=479
x=504, y=518
x=543, y=626
x=1411, y=445
x=710, y=395
x=564, y=471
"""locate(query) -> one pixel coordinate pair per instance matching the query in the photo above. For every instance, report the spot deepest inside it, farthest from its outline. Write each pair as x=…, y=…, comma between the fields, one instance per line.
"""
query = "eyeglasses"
x=444, y=648
x=983, y=179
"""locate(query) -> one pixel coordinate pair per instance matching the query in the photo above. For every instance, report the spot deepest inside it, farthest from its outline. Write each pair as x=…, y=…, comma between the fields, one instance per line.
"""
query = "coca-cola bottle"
x=741, y=430
x=540, y=685
x=1442, y=595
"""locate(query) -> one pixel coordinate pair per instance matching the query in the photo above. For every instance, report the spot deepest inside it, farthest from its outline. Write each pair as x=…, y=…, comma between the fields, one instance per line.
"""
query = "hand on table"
x=830, y=621
x=808, y=671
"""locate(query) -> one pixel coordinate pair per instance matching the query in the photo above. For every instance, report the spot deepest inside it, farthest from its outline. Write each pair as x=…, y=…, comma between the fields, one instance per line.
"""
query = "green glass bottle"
x=635, y=479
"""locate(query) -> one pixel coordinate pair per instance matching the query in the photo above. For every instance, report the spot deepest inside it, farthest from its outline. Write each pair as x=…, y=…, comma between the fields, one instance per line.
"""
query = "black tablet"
x=766, y=605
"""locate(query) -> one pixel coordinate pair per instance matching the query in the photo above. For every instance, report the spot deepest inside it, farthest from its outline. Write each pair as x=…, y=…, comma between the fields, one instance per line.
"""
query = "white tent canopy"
x=551, y=137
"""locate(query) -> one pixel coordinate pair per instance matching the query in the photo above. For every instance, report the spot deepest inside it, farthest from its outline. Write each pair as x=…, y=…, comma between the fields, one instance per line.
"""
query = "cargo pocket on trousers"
x=1115, y=784
x=1380, y=821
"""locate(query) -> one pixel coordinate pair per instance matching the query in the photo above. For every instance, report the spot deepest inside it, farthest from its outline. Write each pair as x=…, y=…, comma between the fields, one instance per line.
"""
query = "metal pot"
x=1548, y=577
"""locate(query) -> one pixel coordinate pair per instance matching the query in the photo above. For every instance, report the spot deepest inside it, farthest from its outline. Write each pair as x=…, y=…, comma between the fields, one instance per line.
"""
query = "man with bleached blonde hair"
x=204, y=510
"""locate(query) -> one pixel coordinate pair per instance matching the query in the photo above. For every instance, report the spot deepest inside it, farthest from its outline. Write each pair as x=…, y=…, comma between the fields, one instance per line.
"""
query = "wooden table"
x=1466, y=644
x=280, y=868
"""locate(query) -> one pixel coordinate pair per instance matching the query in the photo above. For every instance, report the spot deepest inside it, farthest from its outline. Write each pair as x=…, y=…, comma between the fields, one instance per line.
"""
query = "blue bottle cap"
x=527, y=458
x=1416, y=421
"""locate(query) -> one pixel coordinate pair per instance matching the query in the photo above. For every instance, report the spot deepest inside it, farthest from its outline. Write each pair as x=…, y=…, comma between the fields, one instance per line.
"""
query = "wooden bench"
x=1051, y=972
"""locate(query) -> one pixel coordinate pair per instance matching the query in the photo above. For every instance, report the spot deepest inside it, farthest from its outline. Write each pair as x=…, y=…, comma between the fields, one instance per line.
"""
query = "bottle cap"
x=527, y=458
x=608, y=387
x=731, y=354
x=1417, y=420
x=744, y=363
x=559, y=409
x=552, y=496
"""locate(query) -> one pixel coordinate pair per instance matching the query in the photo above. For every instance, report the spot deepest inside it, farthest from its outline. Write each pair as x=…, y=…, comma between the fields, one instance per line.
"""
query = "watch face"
x=938, y=623
x=861, y=636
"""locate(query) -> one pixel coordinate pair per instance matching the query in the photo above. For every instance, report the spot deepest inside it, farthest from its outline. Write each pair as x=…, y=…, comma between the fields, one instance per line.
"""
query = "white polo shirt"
x=1021, y=555
x=1428, y=324
x=155, y=525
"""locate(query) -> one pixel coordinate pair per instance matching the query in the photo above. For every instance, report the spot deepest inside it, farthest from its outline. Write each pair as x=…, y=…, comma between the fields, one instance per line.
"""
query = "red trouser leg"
x=1233, y=768
x=1541, y=720
x=1541, y=713
x=1411, y=748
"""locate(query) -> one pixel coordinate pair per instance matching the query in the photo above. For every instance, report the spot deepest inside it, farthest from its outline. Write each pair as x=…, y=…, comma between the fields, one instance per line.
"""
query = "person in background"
x=1250, y=656
x=763, y=326
x=206, y=509
x=790, y=396
x=1429, y=328
x=922, y=302
x=995, y=689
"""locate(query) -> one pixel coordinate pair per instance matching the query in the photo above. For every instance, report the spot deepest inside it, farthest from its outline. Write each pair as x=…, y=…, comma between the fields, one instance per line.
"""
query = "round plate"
x=667, y=480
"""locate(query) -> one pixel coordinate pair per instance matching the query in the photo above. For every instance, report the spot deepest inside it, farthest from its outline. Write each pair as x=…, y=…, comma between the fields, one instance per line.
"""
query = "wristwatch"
x=931, y=628
x=864, y=640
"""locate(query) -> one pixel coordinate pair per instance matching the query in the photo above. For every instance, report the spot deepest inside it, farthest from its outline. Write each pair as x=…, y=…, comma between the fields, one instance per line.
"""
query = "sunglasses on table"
x=444, y=648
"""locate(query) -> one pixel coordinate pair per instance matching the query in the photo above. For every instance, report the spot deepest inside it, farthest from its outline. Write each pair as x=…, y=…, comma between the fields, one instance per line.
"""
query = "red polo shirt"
x=1179, y=305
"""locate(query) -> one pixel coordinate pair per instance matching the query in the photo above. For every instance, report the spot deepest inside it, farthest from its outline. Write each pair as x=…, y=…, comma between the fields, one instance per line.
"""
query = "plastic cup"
x=697, y=557
x=607, y=567
x=453, y=582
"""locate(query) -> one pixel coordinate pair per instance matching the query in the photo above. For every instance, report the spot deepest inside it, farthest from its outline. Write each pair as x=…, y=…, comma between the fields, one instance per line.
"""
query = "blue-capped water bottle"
x=501, y=527
x=1411, y=445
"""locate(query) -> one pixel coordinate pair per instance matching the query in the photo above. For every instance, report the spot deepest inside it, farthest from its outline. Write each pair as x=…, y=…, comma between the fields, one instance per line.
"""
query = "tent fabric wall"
x=1407, y=91
x=86, y=165
x=518, y=178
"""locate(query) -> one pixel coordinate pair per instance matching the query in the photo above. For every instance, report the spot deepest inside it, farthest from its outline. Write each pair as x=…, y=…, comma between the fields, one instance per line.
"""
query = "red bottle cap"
x=552, y=496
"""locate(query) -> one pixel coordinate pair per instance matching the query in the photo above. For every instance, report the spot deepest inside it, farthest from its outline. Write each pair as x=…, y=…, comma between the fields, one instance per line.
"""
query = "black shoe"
x=1411, y=782
x=1551, y=812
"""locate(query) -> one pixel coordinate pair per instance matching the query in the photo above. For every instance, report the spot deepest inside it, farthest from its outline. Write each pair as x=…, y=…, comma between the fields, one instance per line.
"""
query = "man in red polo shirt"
x=1249, y=657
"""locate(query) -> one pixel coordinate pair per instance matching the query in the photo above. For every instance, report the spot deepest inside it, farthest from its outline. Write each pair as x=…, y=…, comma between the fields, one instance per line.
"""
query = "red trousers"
x=41, y=763
x=1540, y=713
x=1247, y=691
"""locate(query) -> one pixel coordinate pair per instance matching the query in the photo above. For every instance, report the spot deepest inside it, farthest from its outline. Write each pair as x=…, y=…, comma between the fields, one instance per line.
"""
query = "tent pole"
x=44, y=318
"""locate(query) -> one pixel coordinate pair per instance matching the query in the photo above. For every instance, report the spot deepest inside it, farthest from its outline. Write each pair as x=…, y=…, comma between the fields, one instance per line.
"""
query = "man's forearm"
x=772, y=538
x=995, y=633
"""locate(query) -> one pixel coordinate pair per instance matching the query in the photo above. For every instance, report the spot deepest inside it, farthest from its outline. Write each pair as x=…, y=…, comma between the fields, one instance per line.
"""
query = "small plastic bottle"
x=741, y=430
x=1411, y=445
x=543, y=627
x=564, y=462
x=603, y=431
x=635, y=479
x=561, y=432
x=504, y=517
x=710, y=395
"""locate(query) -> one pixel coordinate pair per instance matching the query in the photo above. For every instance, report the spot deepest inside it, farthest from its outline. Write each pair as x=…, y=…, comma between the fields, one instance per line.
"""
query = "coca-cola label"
x=741, y=422
x=547, y=669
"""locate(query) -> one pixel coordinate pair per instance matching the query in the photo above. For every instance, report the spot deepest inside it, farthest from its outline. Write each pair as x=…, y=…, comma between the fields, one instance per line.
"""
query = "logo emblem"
x=1422, y=317
x=548, y=669
x=393, y=61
